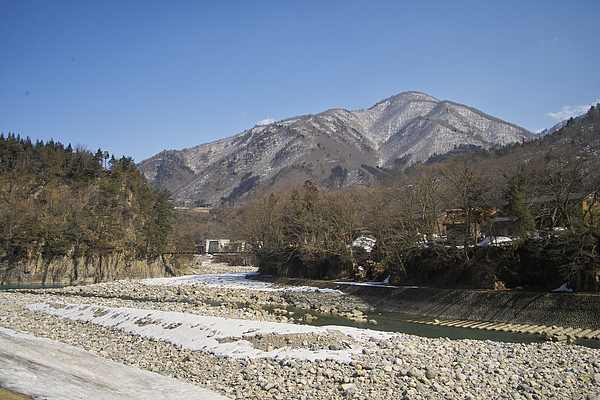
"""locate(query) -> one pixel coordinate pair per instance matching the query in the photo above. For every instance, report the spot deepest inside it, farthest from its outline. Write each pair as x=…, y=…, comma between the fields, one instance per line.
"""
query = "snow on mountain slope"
x=334, y=148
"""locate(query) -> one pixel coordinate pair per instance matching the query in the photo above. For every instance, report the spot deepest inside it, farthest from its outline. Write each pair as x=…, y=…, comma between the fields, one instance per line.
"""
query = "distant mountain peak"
x=334, y=148
x=405, y=97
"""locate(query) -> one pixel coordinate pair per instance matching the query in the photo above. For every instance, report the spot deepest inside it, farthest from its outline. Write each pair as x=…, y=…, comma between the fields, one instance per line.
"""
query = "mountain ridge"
x=331, y=148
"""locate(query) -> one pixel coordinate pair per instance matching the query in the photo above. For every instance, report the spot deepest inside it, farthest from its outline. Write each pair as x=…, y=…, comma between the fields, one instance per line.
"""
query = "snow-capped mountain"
x=334, y=148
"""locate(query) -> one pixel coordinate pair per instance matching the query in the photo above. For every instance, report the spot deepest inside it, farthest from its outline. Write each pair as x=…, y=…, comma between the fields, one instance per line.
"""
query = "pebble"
x=403, y=366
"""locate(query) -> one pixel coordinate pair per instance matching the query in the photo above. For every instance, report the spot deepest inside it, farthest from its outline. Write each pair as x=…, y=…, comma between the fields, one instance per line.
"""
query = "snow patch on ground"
x=205, y=333
x=495, y=241
x=365, y=242
x=48, y=369
x=234, y=280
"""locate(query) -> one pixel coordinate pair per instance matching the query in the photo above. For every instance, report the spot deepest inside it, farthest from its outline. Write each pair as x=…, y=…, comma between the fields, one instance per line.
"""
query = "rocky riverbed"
x=390, y=366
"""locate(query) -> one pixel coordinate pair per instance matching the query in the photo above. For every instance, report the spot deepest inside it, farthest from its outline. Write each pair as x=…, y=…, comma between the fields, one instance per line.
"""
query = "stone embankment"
x=402, y=367
x=553, y=333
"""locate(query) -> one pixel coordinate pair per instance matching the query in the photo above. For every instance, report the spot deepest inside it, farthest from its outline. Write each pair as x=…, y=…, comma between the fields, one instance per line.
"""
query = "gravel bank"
x=403, y=366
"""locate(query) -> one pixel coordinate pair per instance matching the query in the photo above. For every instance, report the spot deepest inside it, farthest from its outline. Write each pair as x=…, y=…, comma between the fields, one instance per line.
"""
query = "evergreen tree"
x=515, y=194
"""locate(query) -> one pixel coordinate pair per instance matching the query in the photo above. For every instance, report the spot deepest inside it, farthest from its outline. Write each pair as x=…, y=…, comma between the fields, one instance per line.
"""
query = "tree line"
x=430, y=222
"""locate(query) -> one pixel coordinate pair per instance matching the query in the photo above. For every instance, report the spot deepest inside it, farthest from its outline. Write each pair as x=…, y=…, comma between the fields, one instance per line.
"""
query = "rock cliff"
x=65, y=270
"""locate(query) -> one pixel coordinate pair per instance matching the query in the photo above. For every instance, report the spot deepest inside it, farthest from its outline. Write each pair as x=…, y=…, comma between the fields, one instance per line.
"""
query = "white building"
x=216, y=245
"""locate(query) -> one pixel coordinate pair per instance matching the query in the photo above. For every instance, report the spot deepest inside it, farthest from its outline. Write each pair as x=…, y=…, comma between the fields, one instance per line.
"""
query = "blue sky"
x=136, y=77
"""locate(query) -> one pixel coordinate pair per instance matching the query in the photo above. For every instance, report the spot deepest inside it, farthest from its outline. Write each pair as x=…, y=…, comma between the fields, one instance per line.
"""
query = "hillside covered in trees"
x=60, y=203
x=524, y=215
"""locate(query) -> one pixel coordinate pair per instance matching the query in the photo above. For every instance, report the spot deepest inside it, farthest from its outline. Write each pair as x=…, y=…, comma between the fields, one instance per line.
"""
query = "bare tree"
x=565, y=179
x=427, y=189
x=469, y=190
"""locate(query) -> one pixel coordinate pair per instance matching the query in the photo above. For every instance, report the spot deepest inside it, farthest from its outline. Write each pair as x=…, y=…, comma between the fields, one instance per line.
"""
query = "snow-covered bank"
x=219, y=336
x=52, y=370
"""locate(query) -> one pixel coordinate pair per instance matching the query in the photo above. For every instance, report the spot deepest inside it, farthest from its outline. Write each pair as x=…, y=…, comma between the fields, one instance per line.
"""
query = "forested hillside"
x=523, y=215
x=56, y=201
